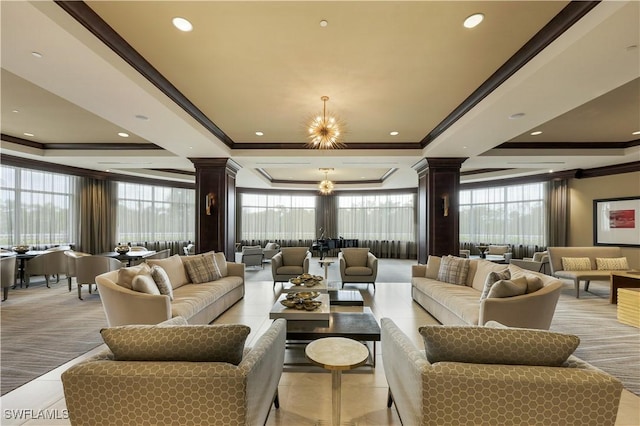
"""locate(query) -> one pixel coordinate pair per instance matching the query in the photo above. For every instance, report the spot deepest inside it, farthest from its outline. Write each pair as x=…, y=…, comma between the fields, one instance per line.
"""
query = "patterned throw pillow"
x=144, y=284
x=195, y=343
x=453, y=270
x=162, y=281
x=612, y=263
x=487, y=345
x=508, y=288
x=201, y=269
x=576, y=264
x=493, y=278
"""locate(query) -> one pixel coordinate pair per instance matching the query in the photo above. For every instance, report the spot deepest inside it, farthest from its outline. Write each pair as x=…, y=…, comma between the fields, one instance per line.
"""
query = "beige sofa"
x=465, y=393
x=197, y=303
x=592, y=274
x=453, y=304
x=103, y=391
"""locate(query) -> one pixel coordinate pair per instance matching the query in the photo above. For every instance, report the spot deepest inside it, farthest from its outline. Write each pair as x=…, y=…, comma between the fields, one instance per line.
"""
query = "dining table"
x=130, y=256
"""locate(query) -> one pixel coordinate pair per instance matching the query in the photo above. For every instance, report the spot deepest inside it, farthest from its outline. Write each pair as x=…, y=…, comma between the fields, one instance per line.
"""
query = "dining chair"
x=72, y=256
x=137, y=248
x=89, y=267
x=7, y=274
x=48, y=264
x=162, y=254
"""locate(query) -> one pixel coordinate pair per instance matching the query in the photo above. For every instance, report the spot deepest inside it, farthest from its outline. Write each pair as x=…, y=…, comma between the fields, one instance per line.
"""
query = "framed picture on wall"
x=616, y=222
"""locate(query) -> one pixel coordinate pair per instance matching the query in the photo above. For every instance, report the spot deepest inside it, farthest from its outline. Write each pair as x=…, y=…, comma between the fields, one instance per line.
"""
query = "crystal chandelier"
x=325, y=132
x=326, y=186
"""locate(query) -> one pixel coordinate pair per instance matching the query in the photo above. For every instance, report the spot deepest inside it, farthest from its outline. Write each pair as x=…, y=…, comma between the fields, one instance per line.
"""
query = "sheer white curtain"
x=380, y=217
x=155, y=213
x=277, y=216
x=38, y=208
x=511, y=214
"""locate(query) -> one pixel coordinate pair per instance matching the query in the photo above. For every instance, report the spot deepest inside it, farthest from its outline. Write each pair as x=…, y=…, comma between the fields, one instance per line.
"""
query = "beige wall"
x=582, y=192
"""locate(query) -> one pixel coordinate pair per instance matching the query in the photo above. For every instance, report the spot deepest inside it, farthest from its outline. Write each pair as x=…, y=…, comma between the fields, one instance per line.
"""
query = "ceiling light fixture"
x=259, y=133
x=142, y=117
x=536, y=133
x=324, y=23
x=636, y=133
x=37, y=54
x=394, y=133
x=28, y=134
x=473, y=20
x=182, y=24
x=325, y=131
x=516, y=116
x=123, y=135
x=326, y=186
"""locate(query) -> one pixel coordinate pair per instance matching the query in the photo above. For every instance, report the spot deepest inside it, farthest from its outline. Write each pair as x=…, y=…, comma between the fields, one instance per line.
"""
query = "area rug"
x=604, y=342
x=43, y=328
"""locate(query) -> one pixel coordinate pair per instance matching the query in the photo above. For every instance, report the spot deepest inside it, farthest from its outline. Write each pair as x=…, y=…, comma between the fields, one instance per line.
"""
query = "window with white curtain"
x=278, y=216
x=155, y=213
x=380, y=217
x=38, y=208
x=510, y=214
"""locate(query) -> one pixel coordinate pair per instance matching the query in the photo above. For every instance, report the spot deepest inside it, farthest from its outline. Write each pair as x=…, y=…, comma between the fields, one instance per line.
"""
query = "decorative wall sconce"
x=210, y=201
x=445, y=204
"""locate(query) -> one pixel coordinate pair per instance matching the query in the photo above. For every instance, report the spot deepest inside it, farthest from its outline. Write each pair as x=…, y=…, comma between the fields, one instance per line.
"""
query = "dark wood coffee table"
x=360, y=326
x=345, y=298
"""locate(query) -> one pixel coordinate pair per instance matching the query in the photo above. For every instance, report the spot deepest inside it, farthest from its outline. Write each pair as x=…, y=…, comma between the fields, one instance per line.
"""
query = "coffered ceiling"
x=570, y=70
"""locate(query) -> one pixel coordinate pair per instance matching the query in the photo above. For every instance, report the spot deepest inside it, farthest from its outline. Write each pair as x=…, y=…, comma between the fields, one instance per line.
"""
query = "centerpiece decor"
x=302, y=300
x=306, y=280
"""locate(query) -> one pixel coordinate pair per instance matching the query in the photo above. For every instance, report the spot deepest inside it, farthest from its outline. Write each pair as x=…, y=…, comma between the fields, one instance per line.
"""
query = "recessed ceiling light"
x=324, y=23
x=37, y=54
x=636, y=133
x=516, y=115
x=15, y=111
x=473, y=20
x=536, y=133
x=182, y=24
x=28, y=134
x=550, y=170
x=464, y=147
x=123, y=135
x=258, y=133
x=394, y=133
x=142, y=117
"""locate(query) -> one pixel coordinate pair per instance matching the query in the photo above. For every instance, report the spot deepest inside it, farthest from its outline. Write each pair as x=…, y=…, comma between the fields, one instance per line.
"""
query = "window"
x=377, y=217
x=155, y=213
x=38, y=208
x=509, y=214
x=279, y=217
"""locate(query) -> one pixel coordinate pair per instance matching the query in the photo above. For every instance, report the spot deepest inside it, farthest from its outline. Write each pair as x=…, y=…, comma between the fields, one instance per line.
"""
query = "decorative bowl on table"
x=122, y=249
x=21, y=249
x=311, y=305
x=306, y=280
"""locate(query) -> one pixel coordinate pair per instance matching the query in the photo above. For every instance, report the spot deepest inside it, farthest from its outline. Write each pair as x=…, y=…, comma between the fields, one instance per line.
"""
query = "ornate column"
x=216, y=205
x=438, y=226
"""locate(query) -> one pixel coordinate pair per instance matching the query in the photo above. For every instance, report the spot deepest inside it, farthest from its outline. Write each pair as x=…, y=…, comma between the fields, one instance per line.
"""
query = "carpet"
x=43, y=328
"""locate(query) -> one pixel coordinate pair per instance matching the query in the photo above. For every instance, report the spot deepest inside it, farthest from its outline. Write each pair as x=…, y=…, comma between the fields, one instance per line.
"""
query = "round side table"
x=336, y=354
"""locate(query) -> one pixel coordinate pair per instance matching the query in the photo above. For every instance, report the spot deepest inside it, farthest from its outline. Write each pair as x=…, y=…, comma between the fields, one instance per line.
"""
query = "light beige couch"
x=457, y=393
x=594, y=274
x=453, y=304
x=102, y=391
x=197, y=303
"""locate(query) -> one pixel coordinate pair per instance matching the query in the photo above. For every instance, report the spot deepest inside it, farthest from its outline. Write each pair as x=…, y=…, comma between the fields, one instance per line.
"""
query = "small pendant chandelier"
x=325, y=132
x=326, y=186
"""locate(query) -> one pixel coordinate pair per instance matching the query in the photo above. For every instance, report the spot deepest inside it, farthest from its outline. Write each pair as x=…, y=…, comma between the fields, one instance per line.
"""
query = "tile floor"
x=305, y=397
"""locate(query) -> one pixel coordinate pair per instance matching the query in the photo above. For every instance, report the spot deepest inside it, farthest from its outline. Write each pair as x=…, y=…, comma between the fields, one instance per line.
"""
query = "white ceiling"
x=386, y=66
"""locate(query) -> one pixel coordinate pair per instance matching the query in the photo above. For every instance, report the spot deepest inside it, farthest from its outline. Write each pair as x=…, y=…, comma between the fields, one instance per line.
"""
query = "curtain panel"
x=98, y=209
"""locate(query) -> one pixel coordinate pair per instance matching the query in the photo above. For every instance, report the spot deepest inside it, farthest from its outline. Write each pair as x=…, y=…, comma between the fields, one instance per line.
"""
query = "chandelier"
x=325, y=132
x=326, y=186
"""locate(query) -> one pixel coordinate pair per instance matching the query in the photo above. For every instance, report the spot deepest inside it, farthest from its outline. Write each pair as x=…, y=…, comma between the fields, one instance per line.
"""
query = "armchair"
x=358, y=265
x=105, y=391
x=7, y=274
x=72, y=257
x=89, y=267
x=289, y=263
x=48, y=264
x=496, y=251
x=252, y=256
x=270, y=250
x=538, y=263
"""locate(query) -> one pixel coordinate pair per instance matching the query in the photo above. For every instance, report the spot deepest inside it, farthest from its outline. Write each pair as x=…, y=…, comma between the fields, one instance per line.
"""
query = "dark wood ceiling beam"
x=568, y=145
x=119, y=146
x=558, y=25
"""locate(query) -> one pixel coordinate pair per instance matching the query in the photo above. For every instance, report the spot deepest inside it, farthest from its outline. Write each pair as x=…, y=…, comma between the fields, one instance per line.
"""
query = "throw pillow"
x=453, y=270
x=488, y=345
x=162, y=281
x=195, y=343
x=220, y=264
x=493, y=278
x=201, y=269
x=144, y=284
x=576, y=264
x=433, y=266
x=534, y=283
x=508, y=288
x=612, y=263
x=174, y=268
x=125, y=275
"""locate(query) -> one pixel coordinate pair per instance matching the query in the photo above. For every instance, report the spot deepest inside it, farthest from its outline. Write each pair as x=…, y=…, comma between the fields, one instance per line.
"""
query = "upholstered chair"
x=89, y=267
x=358, y=265
x=7, y=274
x=539, y=262
x=189, y=249
x=252, y=256
x=289, y=263
x=49, y=263
x=503, y=250
x=465, y=253
x=162, y=254
x=71, y=263
x=270, y=249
